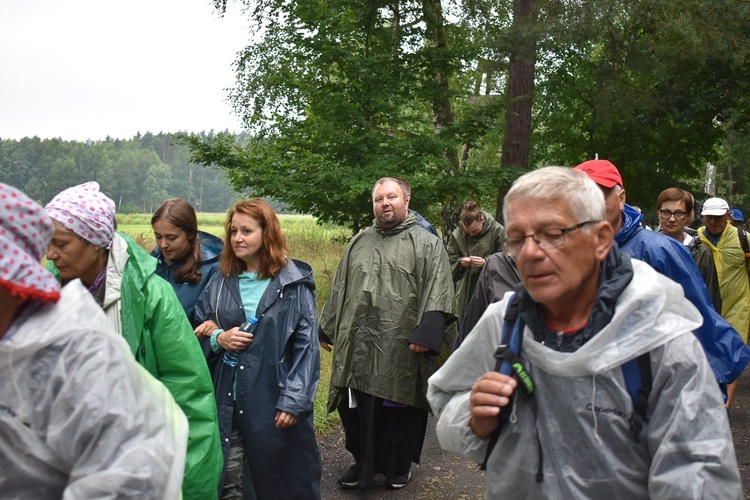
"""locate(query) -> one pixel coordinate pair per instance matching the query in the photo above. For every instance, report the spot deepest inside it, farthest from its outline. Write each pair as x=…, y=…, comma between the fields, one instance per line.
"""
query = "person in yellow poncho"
x=731, y=265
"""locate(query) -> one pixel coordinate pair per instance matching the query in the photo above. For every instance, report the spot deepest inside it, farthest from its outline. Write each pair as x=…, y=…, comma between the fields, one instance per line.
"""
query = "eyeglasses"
x=666, y=214
x=547, y=239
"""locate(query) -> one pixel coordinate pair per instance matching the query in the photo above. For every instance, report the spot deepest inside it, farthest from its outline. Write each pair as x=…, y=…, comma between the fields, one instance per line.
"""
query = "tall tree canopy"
x=339, y=93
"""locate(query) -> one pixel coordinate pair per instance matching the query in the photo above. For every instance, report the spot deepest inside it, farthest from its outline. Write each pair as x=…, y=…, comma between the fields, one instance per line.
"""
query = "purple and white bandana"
x=86, y=211
x=25, y=232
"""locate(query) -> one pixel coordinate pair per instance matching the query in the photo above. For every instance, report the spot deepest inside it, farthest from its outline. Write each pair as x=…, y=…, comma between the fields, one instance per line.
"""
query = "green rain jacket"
x=732, y=267
x=160, y=337
x=462, y=245
x=385, y=282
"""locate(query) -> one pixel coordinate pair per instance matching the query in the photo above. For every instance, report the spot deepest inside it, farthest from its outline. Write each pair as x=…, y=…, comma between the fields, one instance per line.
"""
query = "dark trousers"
x=383, y=439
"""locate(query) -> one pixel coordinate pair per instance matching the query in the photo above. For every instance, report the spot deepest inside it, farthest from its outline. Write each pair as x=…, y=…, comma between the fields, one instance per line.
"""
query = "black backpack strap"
x=502, y=354
x=639, y=384
x=742, y=234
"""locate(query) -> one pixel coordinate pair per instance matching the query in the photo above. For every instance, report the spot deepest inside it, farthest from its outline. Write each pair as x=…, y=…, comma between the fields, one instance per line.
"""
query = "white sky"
x=88, y=69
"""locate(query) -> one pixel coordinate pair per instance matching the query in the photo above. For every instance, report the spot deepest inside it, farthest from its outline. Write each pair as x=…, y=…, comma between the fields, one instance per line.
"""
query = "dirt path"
x=442, y=475
x=740, y=421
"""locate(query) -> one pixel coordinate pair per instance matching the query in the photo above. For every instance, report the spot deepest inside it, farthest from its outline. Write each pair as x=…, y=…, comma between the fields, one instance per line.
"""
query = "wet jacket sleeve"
x=692, y=453
x=183, y=370
x=726, y=352
x=456, y=251
x=429, y=332
x=450, y=387
x=303, y=368
x=119, y=430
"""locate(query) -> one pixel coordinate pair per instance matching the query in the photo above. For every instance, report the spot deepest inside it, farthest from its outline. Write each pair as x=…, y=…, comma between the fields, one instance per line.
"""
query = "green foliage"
x=340, y=93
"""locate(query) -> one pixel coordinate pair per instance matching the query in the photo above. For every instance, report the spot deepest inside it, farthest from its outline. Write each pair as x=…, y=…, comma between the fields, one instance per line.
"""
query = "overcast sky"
x=88, y=69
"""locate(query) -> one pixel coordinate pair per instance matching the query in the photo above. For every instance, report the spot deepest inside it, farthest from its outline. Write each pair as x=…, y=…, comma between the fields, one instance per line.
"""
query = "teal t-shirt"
x=251, y=290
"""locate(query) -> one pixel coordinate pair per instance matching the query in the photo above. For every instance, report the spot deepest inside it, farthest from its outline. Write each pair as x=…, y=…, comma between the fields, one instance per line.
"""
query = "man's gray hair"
x=402, y=183
x=583, y=196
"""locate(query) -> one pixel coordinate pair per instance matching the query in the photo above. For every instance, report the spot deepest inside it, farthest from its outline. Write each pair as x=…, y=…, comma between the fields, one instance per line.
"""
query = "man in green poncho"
x=386, y=315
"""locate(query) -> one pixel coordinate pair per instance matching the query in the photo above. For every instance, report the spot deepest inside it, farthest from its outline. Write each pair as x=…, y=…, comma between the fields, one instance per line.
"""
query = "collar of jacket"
x=631, y=224
x=410, y=221
x=615, y=273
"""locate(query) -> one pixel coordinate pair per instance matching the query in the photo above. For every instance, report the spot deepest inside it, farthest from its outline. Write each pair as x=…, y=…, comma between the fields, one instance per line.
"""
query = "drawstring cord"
x=593, y=411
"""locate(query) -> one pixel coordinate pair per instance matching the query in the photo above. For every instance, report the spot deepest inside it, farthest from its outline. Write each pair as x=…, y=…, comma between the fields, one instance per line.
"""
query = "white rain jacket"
x=79, y=418
x=580, y=429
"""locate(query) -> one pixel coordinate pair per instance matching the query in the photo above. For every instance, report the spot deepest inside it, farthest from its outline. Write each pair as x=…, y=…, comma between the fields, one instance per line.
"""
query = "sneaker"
x=398, y=482
x=349, y=479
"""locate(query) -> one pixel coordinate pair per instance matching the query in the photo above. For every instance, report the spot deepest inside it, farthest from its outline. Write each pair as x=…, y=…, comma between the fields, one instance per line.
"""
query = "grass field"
x=321, y=246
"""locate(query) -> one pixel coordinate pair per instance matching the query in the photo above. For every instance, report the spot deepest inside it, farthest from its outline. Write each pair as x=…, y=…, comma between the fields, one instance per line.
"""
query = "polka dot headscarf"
x=25, y=232
x=86, y=211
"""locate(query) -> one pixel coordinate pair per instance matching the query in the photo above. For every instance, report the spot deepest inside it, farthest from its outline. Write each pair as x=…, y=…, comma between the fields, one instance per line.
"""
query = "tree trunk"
x=442, y=114
x=517, y=135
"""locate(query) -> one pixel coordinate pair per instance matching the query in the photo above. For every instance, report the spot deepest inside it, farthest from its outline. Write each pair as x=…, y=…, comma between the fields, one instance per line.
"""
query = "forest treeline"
x=138, y=173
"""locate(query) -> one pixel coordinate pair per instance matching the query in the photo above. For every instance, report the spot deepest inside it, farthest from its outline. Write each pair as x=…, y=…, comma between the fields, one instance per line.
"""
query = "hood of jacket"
x=631, y=225
x=211, y=247
x=649, y=312
x=410, y=221
x=296, y=271
x=126, y=253
x=489, y=221
x=51, y=322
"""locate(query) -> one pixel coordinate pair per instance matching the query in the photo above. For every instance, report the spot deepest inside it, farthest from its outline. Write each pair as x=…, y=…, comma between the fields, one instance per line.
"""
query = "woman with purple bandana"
x=69, y=385
x=144, y=309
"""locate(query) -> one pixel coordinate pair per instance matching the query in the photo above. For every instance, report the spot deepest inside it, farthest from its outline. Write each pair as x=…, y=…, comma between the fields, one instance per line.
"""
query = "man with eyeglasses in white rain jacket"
x=585, y=311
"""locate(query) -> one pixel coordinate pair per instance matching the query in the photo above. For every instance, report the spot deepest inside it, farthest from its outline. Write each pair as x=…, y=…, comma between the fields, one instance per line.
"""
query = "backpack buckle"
x=525, y=383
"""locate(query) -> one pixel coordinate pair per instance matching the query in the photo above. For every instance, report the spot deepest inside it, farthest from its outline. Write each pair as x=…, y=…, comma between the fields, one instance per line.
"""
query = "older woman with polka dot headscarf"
x=69, y=385
x=145, y=311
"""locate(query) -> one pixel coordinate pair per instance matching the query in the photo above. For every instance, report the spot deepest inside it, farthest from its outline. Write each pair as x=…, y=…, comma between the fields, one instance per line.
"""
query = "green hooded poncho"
x=461, y=245
x=385, y=282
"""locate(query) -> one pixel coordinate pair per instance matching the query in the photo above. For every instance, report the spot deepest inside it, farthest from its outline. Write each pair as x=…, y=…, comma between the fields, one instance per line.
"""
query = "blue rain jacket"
x=726, y=352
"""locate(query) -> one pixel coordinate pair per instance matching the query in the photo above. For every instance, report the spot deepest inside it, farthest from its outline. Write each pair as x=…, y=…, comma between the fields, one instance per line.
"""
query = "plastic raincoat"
x=188, y=293
x=732, y=267
x=78, y=417
x=145, y=311
x=499, y=276
x=385, y=282
x=580, y=432
x=726, y=352
x=462, y=245
x=279, y=370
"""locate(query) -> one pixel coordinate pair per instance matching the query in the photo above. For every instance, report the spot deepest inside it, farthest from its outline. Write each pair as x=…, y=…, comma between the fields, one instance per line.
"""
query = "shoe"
x=349, y=479
x=398, y=482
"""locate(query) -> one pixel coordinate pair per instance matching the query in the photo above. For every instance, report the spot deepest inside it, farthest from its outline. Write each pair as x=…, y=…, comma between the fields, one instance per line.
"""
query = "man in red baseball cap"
x=606, y=175
x=724, y=348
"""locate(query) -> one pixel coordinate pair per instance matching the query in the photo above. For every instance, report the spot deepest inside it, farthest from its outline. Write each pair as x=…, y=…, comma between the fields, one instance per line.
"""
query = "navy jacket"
x=279, y=370
x=188, y=293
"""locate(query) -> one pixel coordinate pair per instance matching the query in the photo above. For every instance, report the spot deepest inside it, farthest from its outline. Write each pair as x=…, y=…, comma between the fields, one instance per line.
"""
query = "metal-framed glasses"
x=547, y=239
x=666, y=214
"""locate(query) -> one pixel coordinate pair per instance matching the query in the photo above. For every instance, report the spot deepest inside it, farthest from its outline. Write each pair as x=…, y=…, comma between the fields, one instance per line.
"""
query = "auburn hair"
x=181, y=215
x=273, y=252
x=471, y=213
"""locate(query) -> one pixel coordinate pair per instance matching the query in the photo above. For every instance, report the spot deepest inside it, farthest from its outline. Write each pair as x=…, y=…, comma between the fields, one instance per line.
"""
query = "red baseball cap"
x=602, y=172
